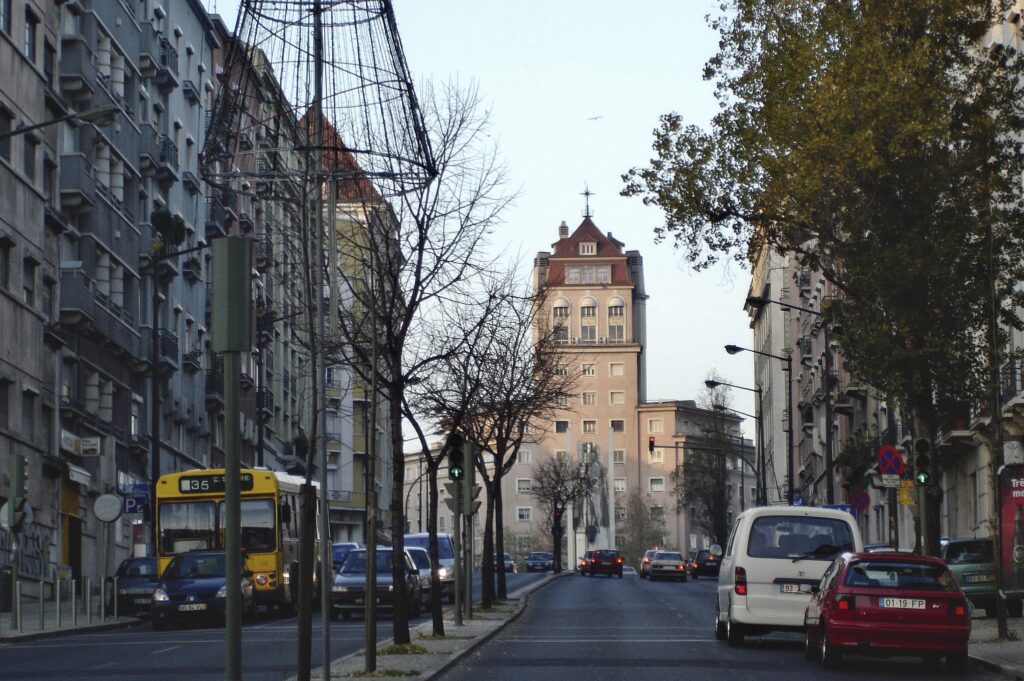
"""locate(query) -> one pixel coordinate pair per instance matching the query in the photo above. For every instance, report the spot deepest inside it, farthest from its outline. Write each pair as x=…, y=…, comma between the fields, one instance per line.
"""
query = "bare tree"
x=557, y=483
x=414, y=257
x=640, y=529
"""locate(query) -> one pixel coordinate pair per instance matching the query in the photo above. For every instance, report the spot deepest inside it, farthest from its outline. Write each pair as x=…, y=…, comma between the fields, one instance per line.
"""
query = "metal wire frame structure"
x=293, y=61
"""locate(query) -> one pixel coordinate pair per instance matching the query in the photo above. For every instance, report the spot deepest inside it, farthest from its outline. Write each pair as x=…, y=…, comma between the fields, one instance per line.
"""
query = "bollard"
x=56, y=597
x=114, y=597
x=42, y=604
x=87, y=599
x=17, y=604
x=103, y=601
x=74, y=602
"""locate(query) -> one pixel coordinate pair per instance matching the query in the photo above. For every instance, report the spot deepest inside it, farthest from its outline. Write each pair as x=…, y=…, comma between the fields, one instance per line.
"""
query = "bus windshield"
x=197, y=525
x=257, y=525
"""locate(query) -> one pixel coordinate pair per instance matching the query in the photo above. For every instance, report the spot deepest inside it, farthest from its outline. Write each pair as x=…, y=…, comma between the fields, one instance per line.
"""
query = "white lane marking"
x=149, y=643
x=104, y=666
x=563, y=641
x=164, y=650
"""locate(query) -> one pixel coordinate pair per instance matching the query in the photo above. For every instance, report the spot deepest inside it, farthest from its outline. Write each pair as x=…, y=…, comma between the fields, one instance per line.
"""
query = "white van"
x=774, y=555
x=445, y=559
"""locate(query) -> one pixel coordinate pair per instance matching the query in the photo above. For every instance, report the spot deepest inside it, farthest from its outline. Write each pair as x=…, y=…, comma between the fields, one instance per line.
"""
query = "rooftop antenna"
x=587, y=194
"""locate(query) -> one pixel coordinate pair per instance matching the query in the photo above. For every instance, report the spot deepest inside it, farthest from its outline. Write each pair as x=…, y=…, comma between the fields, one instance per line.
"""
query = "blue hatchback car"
x=194, y=588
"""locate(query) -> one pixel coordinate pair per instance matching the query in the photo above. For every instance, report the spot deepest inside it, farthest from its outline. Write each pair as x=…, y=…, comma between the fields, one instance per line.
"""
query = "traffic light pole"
x=457, y=540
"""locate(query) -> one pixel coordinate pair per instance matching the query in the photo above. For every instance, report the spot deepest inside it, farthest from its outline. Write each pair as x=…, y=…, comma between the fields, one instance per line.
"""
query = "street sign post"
x=891, y=481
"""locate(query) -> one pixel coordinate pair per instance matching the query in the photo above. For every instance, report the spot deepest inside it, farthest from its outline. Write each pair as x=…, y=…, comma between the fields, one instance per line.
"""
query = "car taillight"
x=844, y=602
x=741, y=581
x=618, y=560
x=680, y=567
x=957, y=608
x=647, y=560
x=696, y=566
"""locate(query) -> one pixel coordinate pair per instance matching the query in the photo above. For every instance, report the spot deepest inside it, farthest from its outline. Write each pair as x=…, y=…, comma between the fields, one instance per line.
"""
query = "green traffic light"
x=922, y=478
x=455, y=472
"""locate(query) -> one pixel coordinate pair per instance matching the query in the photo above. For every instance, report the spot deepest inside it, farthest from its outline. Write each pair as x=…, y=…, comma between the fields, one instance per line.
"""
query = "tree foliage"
x=877, y=141
x=640, y=529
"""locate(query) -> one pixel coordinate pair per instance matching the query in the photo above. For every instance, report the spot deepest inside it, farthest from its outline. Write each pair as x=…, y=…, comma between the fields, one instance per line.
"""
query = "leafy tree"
x=640, y=529
x=877, y=142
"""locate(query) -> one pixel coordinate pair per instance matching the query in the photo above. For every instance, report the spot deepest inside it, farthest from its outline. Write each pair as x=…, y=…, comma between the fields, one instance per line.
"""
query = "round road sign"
x=860, y=500
x=889, y=461
x=107, y=507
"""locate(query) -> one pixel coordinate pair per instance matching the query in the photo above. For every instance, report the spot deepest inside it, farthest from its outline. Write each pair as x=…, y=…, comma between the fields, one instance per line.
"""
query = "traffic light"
x=456, y=457
x=922, y=462
x=650, y=444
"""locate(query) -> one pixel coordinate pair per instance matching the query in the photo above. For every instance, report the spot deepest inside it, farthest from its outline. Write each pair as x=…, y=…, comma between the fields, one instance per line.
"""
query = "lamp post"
x=788, y=360
x=830, y=493
x=100, y=115
x=760, y=468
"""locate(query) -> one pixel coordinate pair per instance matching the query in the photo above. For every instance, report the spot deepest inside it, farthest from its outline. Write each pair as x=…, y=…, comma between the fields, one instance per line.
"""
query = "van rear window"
x=804, y=537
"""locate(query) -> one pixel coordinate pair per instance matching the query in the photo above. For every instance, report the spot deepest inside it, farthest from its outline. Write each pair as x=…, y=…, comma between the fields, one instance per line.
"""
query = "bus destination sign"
x=210, y=484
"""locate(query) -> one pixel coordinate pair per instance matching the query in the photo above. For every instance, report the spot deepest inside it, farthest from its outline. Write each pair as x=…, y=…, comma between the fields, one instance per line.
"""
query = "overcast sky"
x=575, y=89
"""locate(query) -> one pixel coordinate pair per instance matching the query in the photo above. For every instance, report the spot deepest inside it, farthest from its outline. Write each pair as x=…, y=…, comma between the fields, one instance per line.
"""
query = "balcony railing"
x=168, y=343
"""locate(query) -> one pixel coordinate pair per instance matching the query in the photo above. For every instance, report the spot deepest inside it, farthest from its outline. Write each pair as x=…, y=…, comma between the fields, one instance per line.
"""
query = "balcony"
x=78, y=70
x=229, y=200
x=190, y=91
x=245, y=141
x=214, y=387
x=264, y=252
x=246, y=222
x=191, y=182
x=138, y=443
x=77, y=184
x=192, y=269
x=192, y=361
x=166, y=75
x=167, y=350
x=167, y=160
x=248, y=380
x=266, y=401
x=215, y=218
x=85, y=308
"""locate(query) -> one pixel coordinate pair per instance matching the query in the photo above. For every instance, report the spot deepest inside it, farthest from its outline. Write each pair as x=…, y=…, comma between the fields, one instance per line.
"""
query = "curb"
x=7, y=639
x=996, y=667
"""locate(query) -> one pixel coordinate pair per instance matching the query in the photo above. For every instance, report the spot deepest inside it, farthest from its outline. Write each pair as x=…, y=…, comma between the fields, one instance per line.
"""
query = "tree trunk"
x=487, y=555
x=400, y=623
x=499, y=534
x=435, y=576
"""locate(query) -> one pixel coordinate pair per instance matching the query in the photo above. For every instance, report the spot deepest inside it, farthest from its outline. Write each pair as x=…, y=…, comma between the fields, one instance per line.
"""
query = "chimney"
x=563, y=230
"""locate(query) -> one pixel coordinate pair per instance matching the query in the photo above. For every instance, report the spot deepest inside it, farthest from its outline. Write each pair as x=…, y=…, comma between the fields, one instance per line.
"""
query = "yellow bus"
x=190, y=517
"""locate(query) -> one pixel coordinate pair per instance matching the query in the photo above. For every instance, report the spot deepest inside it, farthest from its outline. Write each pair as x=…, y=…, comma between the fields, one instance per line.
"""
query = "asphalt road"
x=590, y=629
x=269, y=648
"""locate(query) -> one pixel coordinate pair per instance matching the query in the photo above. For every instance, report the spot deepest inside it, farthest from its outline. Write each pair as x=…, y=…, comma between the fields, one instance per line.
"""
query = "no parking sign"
x=889, y=461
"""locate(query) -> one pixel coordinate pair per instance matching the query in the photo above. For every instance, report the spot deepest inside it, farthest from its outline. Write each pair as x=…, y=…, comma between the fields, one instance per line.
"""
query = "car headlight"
x=122, y=592
x=222, y=592
x=339, y=589
x=391, y=587
x=160, y=596
x=442, y=573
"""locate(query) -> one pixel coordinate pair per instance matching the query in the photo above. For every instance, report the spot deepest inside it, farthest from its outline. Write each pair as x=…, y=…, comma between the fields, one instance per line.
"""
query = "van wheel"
x=719, y=626
x=810, y=650
x=734, y=633
x=829, y=655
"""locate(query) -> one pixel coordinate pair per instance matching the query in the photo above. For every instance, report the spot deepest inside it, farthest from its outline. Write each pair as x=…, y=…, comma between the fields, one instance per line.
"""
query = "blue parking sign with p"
x=135, y=503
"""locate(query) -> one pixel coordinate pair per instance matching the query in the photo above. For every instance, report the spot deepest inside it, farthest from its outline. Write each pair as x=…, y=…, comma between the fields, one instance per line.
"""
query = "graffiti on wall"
x=34, y=551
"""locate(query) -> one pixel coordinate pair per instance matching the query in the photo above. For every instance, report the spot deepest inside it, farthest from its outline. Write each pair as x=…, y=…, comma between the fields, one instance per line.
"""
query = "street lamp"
x=100, y=115
x=760, y=301
x=759, y=469
x=788, y=360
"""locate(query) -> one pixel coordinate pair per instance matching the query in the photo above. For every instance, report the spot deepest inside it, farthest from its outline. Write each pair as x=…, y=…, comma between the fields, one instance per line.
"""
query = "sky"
x=575, y=89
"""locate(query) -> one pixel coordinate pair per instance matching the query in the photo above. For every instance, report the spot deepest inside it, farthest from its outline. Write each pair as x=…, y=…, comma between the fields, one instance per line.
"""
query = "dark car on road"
x=584, y=565
x=606, y=562
x=193, y=587
x=340, y=550
x=540, y=561
x=705, y=564
x=973, y=562
x=888, y=604
x=134, y=582
x=348, y=593
x=508, y=563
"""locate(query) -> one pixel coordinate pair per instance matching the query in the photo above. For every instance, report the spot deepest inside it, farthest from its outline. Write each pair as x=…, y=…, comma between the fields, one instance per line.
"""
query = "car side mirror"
x=716, y=550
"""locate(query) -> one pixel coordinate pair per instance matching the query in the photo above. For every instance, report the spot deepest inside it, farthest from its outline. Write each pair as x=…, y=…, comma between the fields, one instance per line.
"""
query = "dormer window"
x=588, y=248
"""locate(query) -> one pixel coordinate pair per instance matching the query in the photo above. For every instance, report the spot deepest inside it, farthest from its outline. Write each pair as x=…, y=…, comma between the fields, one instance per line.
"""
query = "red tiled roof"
x=587, y=231
x=609, y=252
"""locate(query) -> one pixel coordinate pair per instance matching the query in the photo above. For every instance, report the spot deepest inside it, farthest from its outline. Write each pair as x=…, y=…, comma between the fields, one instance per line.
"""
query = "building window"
x=6, y=127
x=5, y=403
x=616, y=369
x=588, y=248
x=5, y=16
x=524, y=485
x=617, y=311
x=657, y=484
x=28, y=415
x=655, y=426
x=619, y=456
x=561, y=401
x=562, y=370
x=28, y=166
x=560, y=310
x=588, y=274
x=561, y=426
x=616, y=333
x=562, y=335
x=524, y=514
x=5, y=265
x=589, y=399
x=620, y=484
x=588, y=308
x=524, y=457
x=616, y=397
x=657, y=456
x=440, y=523
x=618, y=426
x=562, y=455
x=589, y=370
x=589, y=427
x=31, y=29
x=28, y=279
x=620, y=513
x=588, y=334
x=658, y=513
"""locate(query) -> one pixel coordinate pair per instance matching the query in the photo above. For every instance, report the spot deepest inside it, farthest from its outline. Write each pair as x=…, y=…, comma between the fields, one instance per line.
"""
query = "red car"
x=605, y=562
x=888, y=604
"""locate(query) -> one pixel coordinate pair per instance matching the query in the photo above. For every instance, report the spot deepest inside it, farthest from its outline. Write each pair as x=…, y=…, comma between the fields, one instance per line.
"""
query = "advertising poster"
x=1011, y=518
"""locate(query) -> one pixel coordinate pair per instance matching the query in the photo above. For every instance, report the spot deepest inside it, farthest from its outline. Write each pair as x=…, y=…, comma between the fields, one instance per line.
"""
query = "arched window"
x=560, y=309
x=588, y=320
x=616, y=320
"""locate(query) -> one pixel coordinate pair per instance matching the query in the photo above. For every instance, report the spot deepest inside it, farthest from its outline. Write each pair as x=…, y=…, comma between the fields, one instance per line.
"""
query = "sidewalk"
x=1005, y=656
x=35, y=626
x=441, y=653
